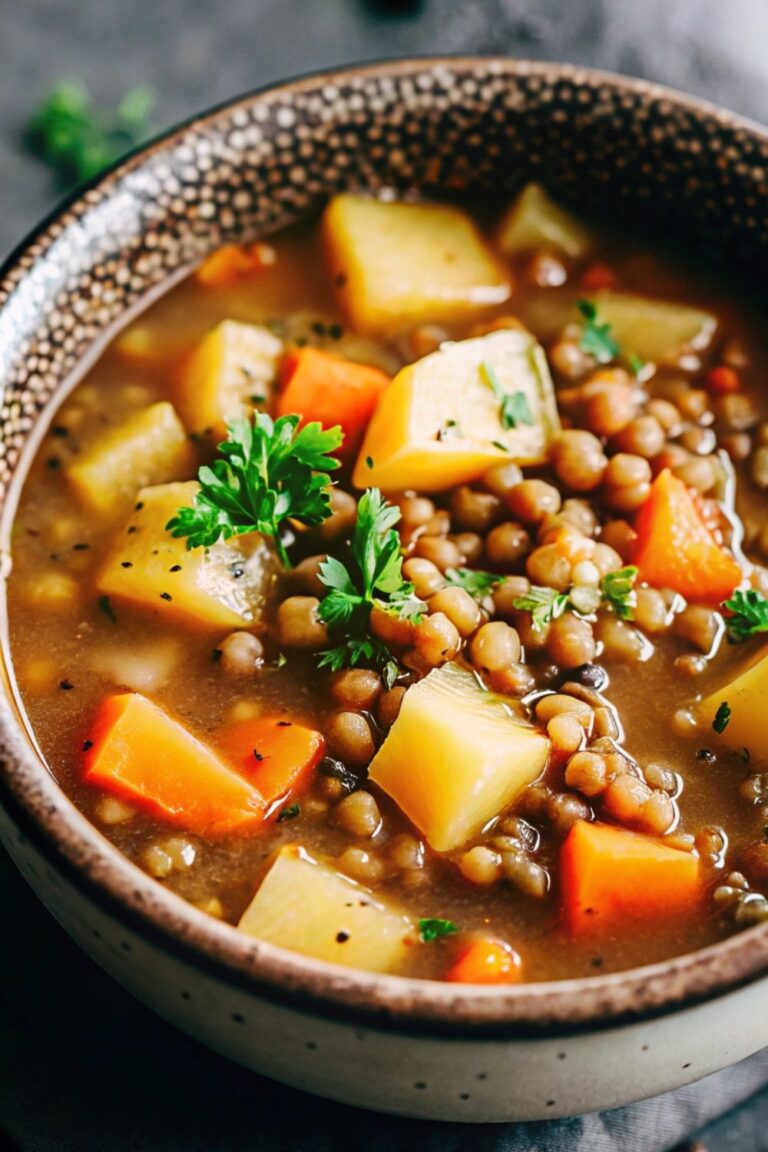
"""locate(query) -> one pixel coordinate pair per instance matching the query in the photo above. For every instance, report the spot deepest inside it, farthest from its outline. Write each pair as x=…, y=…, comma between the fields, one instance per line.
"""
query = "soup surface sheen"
x=568, y=757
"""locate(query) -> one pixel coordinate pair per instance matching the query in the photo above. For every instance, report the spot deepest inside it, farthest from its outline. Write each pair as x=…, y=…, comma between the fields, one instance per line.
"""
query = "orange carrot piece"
x=486, y=961
x=609, y=874
x=232, y=262
x=321, y=386
x=142, y=754
x=276, y=755
x=675, y=549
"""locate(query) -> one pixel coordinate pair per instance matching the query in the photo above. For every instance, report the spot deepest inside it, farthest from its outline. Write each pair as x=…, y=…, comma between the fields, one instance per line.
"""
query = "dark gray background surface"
x=82, y=1066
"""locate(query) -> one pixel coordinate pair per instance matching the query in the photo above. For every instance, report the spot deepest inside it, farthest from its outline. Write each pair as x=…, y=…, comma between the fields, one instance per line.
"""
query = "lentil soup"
x=394, y=589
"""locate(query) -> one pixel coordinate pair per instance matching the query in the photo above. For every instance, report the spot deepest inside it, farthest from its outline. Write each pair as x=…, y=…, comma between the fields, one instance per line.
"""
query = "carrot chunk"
x=609, y=874
x=675, y=549
x=139, y=752
x=326, y=388
x=231, y=263
x=275, y=755
x=486, y=961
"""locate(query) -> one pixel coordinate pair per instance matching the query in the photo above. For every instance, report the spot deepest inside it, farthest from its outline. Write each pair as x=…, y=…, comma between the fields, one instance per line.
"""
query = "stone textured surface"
x=59, y=1017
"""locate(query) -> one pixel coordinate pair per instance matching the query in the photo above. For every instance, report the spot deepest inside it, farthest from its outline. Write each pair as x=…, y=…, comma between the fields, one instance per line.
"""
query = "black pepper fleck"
x=166, y=596
x=342, y=937
x=126, y=563
x=87, y=745
x=175, y=568
x=66, y=685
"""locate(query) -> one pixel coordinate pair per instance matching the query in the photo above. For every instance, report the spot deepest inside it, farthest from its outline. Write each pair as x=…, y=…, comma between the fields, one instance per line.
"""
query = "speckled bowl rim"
x=74, y=848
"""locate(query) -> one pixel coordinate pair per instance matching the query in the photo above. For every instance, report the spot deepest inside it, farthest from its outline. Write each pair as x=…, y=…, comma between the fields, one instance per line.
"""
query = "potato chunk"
x=439, y=422
x=231, y=371
x=654, y=329
x=396, y=265
x=225, y=586
x=149, y=448
x=309, y=908
x=456, y=756
x=535, y=220
x=746, y=697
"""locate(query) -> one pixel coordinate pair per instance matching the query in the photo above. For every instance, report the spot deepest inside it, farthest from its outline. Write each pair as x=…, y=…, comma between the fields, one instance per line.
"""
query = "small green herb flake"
x=636, y=363
x=369, y=461
x=289, y=813
x=596, y=338
x=748, y=615
x=472, y=580
x=514, y=408
x=77, y=139
x=544, y=605
x=722, y=718
x=618, y=589
x=106, y=607
x=435, y=929
x=267, y=472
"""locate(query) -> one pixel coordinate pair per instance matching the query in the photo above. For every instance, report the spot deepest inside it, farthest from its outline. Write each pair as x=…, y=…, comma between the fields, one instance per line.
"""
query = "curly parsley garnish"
x=617, y=591
x=77, y=139
x=269, y=472
x=544, y=605
x=597, y=337
x=472, y=580
x=513, y=406
x=372, y=577
x=433, y=928
x=749, y=615
x=722, y=718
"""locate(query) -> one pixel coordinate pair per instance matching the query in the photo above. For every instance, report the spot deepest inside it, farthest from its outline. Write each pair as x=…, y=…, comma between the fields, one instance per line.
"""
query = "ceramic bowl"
x=640, y=153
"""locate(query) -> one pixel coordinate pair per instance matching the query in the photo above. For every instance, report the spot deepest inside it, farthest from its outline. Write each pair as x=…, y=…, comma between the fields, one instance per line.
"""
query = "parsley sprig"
x=514, y=408
x=617, y=591
x=472, y=580
x=749, y=615
x=372, y=577
x=269, y=472
x=598, y=340
x=722, y=718
x=597, y=337
x=78, y=139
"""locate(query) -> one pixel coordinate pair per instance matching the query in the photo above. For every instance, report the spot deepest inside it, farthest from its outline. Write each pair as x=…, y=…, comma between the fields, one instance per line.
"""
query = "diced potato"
x=310, y=908
x=654, y=329
x=231, y=371
x=535, y=220
x=746, y=697
x=456, y=756
x=397, y=264
x=151, y=447
x=225, y=586
x=438, y=423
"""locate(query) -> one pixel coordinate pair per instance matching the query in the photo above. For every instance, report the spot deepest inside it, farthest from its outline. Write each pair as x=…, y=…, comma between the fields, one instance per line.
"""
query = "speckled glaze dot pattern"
x=640, y=152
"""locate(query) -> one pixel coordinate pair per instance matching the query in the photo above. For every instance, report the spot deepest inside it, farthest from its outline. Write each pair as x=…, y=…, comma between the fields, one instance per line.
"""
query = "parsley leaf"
x=289, y=813
x=434, y=929
x=750, y=615
x=472, y=580
x=514, y=408
x=722, y=718
x=544, y=605
x=268, y=472
x=77, y=139
x=597, y=338
x=373, y=577
x=618, y=589
x=105, y=606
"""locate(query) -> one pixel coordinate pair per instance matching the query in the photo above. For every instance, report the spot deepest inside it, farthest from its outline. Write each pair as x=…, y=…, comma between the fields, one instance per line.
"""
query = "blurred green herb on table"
x=78, y=139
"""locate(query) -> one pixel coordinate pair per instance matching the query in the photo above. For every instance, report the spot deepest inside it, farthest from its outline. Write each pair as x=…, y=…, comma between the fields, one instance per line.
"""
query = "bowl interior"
x=647, y=156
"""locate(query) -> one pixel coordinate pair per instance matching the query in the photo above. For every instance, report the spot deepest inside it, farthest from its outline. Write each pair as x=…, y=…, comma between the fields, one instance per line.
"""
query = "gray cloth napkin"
x=84, y=1068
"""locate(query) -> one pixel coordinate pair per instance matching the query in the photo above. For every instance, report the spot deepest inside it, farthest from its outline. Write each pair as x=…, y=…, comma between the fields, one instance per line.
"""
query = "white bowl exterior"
x=411, y=1074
